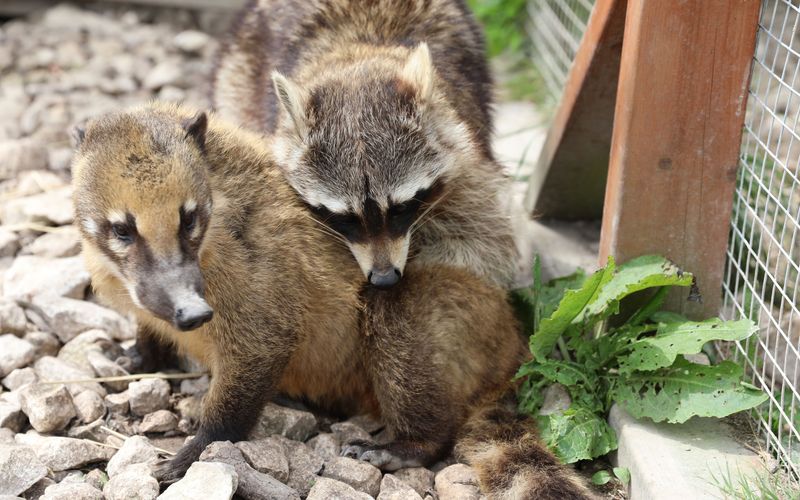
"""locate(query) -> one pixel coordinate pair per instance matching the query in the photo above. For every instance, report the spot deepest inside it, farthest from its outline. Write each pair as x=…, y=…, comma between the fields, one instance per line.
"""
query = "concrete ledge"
x=677, y=461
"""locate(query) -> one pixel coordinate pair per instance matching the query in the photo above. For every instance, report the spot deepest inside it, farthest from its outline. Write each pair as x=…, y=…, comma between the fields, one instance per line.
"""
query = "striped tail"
x=511, y=461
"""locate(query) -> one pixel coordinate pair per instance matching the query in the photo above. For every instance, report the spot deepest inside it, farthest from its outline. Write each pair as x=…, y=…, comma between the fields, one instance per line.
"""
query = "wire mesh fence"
x=555, y=28
x=762, y=275
x=763, y=267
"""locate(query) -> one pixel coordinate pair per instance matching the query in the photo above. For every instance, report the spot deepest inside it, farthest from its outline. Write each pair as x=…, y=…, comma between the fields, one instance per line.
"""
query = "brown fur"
x=363, y=118
x=289, y=313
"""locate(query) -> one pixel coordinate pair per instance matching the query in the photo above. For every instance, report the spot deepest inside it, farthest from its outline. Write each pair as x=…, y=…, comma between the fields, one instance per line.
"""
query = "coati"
x=382, y=111
x=188, y=224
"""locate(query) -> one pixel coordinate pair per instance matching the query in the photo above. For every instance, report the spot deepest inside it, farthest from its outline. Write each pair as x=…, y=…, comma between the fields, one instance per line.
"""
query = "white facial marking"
x=90, y=226
x=117, y=246
x=117, y=217
x=407, y=190
x=190, y=205
x=330, y=203
x=132, y=292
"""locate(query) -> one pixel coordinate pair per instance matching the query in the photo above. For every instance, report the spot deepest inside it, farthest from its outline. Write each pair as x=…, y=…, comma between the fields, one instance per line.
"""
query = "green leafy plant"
x=638, y=363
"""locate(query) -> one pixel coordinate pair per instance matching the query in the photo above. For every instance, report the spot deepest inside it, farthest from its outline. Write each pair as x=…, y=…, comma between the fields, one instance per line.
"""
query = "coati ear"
x=419, y=71
x=196, y=127
x=292, y=99
x=78, y=135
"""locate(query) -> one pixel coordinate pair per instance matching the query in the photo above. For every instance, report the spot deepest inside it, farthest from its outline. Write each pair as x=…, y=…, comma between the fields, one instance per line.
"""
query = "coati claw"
x=379, y=456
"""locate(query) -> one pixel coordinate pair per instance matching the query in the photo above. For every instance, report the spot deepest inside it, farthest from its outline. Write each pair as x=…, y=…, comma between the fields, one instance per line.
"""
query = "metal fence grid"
x=555, y=28
x=762, y=275
x=763, y=267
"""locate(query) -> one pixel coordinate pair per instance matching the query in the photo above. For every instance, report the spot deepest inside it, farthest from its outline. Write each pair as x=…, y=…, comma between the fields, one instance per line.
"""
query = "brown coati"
x=188, y=224
x=383, y=113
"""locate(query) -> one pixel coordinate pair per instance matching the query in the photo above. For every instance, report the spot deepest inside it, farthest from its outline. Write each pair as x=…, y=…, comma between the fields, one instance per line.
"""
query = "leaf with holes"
x=571, y=305
x=683, y=390
x=577, y=434
x=672, y=339
x=641, y=273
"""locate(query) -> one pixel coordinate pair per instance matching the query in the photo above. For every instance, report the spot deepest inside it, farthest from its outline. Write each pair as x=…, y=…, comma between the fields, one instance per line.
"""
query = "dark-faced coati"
x=382, y=111
x=189, y=224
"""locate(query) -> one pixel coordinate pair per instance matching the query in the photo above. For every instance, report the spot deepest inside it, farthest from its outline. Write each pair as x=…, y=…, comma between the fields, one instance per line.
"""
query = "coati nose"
x=384, y=278
x=193, y=317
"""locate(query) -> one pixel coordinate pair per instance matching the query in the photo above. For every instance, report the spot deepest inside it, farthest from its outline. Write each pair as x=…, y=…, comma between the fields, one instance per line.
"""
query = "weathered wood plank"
x=570, y=176
x=677, y=130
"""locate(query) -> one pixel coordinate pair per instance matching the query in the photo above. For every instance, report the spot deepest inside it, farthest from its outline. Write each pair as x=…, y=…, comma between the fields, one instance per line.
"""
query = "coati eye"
x=123, y=232
x=188, y=221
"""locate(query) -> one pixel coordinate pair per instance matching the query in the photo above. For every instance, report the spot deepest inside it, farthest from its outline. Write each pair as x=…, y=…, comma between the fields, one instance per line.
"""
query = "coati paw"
x=379, y=456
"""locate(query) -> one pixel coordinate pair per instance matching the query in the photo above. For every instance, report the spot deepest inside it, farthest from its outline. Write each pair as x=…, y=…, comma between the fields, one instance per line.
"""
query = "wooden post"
x=677, y=129
x=570, y=176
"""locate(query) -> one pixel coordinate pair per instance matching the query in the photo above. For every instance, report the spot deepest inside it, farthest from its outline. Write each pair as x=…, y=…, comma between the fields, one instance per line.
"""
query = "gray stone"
x=66, y=242
x=164, y=73
x=366, y=422
x=50, y=369
x=362, y=476
x=135, y=450
x=76, y=351
x=49, y=407
x=135, y=482
x=191, y=41
x=14, y=353
x=148, y=395
x=11, y=416
x=326, y=445
x=195, y=386
x=294, y=424
x=68, y=317
x=159, y=421
x=419, y=478
x=204, y=480
x=104, y=367
x=12, y=318
x=89, y=406
x=9, y=243
x=457, y=482
x=20, y=155
x=59, y=158
x=328, y=489
x=30, y=276
x=556, y=399
x=393, y=488
x=46, y=344
x=304, y=465
x=50, y=208
x=72, y=491
x=96, y=478
x=118, y=403
x=252, y=484
x=267, y=455
x=62, y=453
x=20, y=469
x=347, y=432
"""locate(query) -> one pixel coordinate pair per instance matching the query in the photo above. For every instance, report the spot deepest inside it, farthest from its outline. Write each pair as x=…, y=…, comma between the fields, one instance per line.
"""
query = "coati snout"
x=147, y=212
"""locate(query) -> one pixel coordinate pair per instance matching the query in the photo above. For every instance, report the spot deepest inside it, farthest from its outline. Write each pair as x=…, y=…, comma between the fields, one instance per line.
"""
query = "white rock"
x=362, y=476
x=11, y=416
x=69, y=317
x=20, y=155
x=46, y=343
x=30, y=276
x=72, y=491
x=135, y=450
x=294, y=424
x=135, y=482
x=268, y=456
x=20, y=377
x=118, y=403
x=50, y=208
x=191, y=41
x=104, y=367
x=14, y=353
x=326, y=445
x=49, y=407
x=62, y=453
x=457, y=482
x=204, y=480
x=89, y=406
x=393, y=488
x=164, y=73
x=50, y=369
x=9, y=243
x=66, y=242
x=76, y=351
x=159, y=421
x=419, y=478
x=20, y=469
x=327, y=489
x=12, y=318
x=148, y=395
